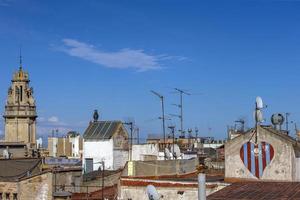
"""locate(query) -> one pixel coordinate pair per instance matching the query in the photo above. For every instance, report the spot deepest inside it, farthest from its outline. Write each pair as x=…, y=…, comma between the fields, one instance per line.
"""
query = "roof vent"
x=96, y=115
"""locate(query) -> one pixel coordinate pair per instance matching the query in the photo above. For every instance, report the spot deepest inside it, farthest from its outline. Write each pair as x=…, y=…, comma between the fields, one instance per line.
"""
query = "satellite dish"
x=277, y=119
x=152, y=193
x=177, y=152
x=167, y=153
x=258, y=116
x=259, y=103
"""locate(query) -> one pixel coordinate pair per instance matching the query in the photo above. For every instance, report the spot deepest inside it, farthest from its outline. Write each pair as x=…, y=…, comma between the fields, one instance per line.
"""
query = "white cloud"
x=53, y=119
x=121, y=59
x=5, y=2
x=41, y=119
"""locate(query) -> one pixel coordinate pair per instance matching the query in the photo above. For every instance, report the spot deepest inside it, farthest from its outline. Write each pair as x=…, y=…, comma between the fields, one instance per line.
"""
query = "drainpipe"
x=201, y=187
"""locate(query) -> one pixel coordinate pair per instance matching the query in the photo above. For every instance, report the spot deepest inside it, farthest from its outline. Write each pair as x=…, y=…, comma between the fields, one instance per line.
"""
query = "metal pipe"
x=103, y=166
x=201, y=187
x=163, y=116
x=163, y=119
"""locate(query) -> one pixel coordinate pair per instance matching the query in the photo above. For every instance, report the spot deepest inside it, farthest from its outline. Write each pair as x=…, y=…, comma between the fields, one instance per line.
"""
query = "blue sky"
x=108, y=55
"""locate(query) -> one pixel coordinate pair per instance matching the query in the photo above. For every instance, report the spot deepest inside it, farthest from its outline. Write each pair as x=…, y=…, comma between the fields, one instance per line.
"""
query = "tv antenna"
x=180, y=106
x=161, y=97
x=258, y=116
x=287, y=122
x=242, y=123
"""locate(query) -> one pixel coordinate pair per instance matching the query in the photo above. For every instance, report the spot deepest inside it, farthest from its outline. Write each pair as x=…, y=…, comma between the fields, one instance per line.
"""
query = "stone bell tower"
x=20, y=110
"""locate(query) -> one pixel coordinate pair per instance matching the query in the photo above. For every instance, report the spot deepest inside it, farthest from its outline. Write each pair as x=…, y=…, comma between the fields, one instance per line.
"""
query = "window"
x=7, y=196
x=15, y=196
x=21, y=93
x=1, y=196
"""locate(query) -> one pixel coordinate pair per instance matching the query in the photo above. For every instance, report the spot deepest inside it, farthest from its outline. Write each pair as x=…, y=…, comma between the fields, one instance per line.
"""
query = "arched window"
x=21, y=93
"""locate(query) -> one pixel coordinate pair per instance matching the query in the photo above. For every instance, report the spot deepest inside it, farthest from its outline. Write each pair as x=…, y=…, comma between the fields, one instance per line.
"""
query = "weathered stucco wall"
x=158, y=168
x=168, y=193
x=281, y=166
x=36, y=188
x=8, y=187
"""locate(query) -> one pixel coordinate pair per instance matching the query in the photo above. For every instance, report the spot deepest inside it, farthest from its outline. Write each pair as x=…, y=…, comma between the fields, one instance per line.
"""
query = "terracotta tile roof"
x=258, y=191
x=109, y=193
x=14, y=169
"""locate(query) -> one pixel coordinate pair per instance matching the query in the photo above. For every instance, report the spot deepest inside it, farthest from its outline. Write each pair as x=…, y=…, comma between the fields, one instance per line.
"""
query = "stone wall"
x=8, y=188
x=41, y=187
x=38, y=187
x=280, y=168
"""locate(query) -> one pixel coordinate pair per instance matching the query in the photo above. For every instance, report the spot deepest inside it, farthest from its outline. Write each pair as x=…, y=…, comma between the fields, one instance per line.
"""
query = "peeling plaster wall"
x=281, y=167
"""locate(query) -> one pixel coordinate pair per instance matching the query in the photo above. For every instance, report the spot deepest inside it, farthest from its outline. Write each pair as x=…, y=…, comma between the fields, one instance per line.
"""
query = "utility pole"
x=130, y=147
x=181, y=92
x=163, y=114
x=138, y=135
x=189, y=137
x=103, y=167
x=196, y=131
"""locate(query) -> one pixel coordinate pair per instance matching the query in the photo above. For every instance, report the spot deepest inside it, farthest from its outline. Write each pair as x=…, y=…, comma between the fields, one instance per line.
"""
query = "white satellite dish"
x=177, y=152
x=258, y=116
x=152, y=193
x=167, y=153
x=259, y=103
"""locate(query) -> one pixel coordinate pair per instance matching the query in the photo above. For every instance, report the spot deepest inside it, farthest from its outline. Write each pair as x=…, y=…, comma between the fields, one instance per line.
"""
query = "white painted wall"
x=140, y=150
x=99, y=151
x=297, y=169
x=53, y=150
x=75, y=146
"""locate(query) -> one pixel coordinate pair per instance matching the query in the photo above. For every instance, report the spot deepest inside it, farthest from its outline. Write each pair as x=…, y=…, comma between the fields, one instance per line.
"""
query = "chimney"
x=201, y=187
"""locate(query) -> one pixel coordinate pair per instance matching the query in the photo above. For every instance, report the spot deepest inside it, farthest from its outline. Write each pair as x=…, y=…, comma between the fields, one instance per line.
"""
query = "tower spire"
x=20, y=67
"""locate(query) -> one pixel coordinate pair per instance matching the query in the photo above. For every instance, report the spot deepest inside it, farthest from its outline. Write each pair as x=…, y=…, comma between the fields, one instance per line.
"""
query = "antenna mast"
x=20, y=67
x=163, y=114
x=181, y=92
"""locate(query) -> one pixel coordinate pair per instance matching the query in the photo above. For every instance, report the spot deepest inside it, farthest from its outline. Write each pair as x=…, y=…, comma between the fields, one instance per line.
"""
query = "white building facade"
x=105, y=141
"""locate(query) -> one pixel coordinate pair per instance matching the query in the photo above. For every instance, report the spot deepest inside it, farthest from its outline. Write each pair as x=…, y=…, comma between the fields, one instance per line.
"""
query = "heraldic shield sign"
x=256, y=157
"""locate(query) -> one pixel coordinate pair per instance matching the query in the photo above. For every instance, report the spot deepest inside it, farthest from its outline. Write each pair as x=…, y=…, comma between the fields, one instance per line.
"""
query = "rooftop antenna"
x=287, y=122
x=196, y=131
x=181, y=93
x=161, y=97
x=20, y=67
x=242, y=122
x=258, y=119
